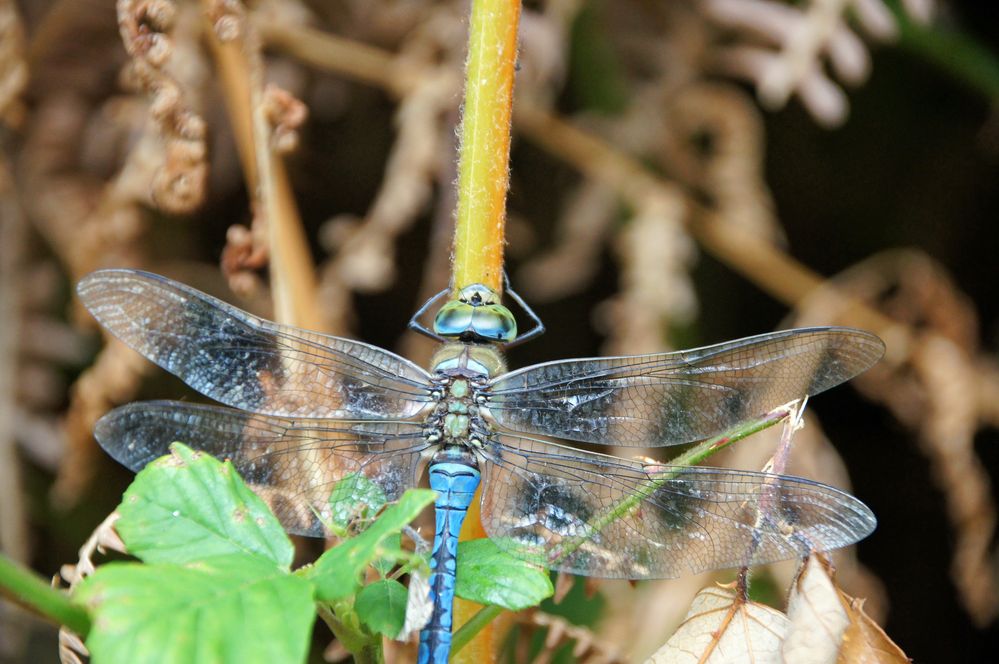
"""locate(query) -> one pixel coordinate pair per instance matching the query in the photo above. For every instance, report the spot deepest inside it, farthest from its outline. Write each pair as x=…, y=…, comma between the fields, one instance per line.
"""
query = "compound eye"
x=476, y=316
x=453, y=319
x=495, y=323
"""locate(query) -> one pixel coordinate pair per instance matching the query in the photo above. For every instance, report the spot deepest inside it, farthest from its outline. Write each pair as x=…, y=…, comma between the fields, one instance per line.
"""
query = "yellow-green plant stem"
x=483, y=159
x=473, y=626
x=480, y=221
x=27, y=589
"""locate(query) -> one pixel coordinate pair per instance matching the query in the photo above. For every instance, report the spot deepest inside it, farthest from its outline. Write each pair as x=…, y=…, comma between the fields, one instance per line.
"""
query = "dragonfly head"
x=476, y=315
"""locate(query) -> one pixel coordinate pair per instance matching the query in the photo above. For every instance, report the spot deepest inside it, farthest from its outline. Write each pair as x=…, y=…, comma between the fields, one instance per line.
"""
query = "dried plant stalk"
x=265, y=120
x=13, y=68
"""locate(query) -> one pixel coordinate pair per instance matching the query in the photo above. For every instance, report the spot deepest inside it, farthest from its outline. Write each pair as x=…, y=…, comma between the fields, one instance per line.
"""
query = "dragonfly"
x=304, y=412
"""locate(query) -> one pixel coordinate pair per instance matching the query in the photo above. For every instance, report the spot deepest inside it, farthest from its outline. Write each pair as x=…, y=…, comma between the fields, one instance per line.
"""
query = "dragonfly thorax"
x=472, y=361
x=455, y=420
x=461, y=373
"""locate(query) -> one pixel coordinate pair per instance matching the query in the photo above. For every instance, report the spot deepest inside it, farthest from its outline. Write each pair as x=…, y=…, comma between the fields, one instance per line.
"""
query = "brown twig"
x=13, y=68
x=254, y=108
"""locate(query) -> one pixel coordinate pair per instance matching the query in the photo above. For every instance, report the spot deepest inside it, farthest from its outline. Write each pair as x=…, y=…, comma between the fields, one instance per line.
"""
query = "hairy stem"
x=483, y=159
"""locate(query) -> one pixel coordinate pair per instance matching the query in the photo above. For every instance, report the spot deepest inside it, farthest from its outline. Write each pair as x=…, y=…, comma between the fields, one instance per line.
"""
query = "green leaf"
x=382, y=607
x=355, y=496
x=188, y=506
x=337, y=571
x=392, y=546
x=489, y=575
x=239, y=609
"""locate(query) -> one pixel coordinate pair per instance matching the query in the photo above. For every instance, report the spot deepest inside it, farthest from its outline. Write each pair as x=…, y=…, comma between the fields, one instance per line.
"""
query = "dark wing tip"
x=115, y=430
x=848, y=352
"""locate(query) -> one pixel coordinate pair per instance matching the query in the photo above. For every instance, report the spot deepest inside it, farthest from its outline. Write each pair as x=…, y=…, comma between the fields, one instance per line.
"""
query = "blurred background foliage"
x=682, y=173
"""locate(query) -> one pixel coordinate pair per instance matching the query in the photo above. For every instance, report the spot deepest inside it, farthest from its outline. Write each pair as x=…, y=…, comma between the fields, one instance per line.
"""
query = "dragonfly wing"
x=596, y=515
x=673, y=398
x=250, y=363
x=294, y=465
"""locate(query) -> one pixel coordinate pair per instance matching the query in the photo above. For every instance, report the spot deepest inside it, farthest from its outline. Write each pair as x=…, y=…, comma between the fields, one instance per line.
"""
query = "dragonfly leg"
x=417, y=326
x=455, y=483
x=539, y=327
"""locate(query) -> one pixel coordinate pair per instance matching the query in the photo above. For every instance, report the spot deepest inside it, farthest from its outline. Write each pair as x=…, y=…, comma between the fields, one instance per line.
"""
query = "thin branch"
x=236, y=47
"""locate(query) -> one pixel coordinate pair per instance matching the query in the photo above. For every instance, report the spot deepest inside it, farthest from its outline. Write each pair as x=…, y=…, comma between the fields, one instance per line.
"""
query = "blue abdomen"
x=455, y=482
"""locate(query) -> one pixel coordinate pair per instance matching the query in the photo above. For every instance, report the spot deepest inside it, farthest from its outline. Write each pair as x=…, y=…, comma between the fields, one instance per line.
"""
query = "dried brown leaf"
x=656, y=256
x=721, y=627
x=818, y=618
x=864, y=642
x=104, y=538
x=179, y=183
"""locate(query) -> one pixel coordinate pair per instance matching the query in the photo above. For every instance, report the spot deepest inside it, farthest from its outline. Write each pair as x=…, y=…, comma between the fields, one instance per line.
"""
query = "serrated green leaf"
x=235, y=609
x=489, y=575
x=188, y=506
x=337, y=571
x=355, y=496
x=382, y=607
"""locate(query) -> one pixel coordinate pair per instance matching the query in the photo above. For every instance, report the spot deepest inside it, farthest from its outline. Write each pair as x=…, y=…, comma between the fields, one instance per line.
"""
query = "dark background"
x=916, y=164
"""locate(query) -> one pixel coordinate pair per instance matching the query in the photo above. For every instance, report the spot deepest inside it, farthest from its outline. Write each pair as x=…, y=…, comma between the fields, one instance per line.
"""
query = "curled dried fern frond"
x=178, y=185
x=783, y=49
x=587, y=648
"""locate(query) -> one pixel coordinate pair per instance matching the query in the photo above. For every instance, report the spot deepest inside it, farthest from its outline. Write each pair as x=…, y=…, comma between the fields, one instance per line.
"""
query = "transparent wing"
x=250, y=363
x=596, y=515
x=673, y=398
x=294, y=465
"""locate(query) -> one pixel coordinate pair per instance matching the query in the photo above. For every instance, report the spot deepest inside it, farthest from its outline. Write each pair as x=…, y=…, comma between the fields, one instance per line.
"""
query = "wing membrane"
x=250, y=363
x=673, y=398
x=293, y=465
x=596, y=515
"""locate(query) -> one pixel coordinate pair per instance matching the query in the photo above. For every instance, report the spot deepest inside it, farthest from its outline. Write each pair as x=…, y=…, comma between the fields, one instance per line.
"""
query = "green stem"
x=366, y=649
x=473, y=626
x=29, y=590
x=706, y=448
x=693, y=456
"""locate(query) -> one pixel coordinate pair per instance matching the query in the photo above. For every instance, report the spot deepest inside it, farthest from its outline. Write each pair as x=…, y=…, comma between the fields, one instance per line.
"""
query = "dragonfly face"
x=476, y=316
x=305, y=413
